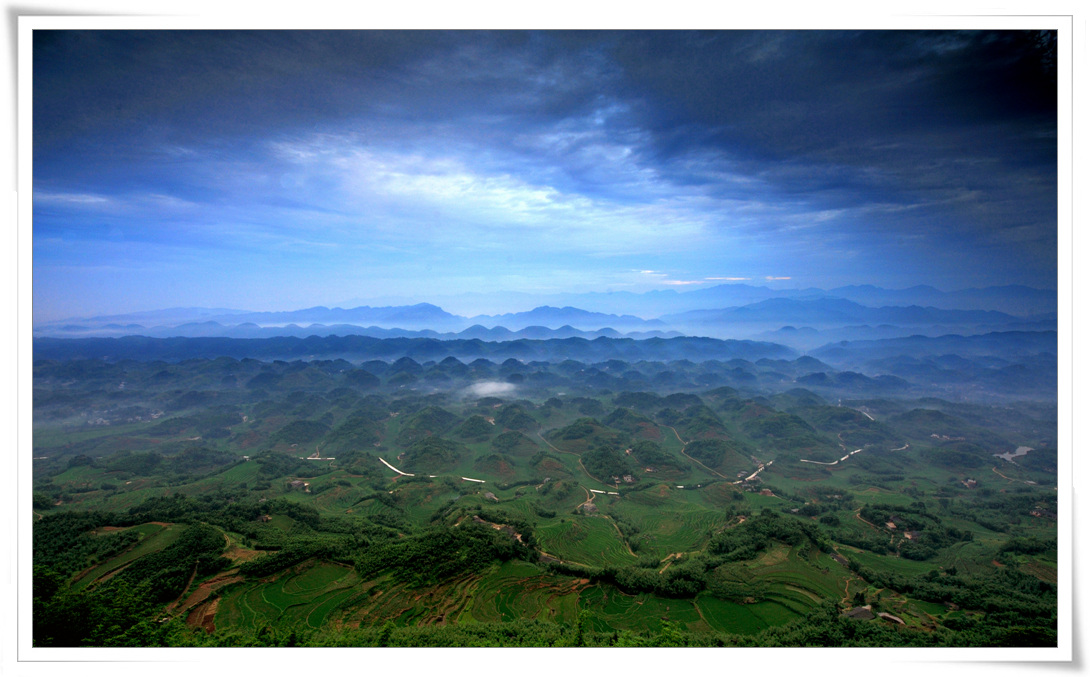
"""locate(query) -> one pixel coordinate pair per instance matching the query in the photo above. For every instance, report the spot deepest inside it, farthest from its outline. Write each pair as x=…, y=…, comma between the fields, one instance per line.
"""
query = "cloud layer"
x=277, y=169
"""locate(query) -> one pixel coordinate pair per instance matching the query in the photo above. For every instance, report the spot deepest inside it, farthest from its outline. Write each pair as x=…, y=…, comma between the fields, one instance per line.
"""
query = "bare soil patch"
x=204, y=616
x=204, y=590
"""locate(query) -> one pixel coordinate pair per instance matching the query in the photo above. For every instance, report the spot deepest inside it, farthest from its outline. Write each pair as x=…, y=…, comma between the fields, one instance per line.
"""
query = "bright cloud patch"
x=490, y=389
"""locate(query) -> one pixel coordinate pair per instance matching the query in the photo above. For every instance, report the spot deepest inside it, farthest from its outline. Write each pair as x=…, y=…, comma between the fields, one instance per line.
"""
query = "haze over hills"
x=1012, y=299
x=972, y=352
x=802, y=320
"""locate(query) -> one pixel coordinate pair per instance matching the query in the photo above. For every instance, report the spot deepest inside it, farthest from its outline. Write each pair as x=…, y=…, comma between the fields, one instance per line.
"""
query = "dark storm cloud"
x=227, y=83
x=711, y=154
x=959, y=125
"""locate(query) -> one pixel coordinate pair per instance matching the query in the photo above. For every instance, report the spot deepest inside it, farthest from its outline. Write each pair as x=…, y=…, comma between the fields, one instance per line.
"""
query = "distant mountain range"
x=253, y=331
x=799, y=319
x=1012, y=299
x=837, y=311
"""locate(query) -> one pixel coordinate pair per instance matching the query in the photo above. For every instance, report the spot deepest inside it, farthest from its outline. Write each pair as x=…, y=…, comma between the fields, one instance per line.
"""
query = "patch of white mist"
x=490, y=389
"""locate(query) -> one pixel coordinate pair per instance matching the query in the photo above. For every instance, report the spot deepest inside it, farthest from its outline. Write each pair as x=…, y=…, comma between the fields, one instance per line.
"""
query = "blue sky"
x=279, y=170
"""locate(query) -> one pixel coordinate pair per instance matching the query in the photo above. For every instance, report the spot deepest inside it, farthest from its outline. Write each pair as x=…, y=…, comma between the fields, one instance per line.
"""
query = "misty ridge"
x=788, y=339
x=800, y=319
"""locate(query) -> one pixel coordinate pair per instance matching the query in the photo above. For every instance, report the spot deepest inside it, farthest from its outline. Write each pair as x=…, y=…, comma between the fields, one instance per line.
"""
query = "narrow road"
x=860, y=518
x=620, y=535
x=170, y=607
x=578, y=458
x=1011, y=479
x=842, y=458
x=685, y=444
x=406, y=474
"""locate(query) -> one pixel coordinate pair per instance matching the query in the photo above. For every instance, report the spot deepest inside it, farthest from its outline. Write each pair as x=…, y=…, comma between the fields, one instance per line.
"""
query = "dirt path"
x=562, y=561
x=860, y=518
x=577, y=456
x=996, y=471
x=685, y=444
x=620, y=535
x=178, y=601
x=590, y=499
x=1011, y=479
x=669, y=559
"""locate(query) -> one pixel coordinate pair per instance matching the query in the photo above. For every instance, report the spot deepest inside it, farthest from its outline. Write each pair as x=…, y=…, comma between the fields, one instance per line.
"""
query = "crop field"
x=520, y=590
x=814, y=573
x=154, y=537
x=337, y=499
x=724, y=616
x=613, y=610
x=900, y=565
x=585, y=540
x=372, y=507
x=305, y=596
x=47, y=436
x=668, y=525
x=383, y=600
x=971, y=557
x=244, y=471
x=81, y=475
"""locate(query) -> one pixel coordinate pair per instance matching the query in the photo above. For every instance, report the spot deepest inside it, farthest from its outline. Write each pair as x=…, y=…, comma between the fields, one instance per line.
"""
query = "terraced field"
x=305, y=596
x=669, y=520
x=614, y=610
x=588, y=540
x=520, y=590
x=154, y=537
x=383, y=600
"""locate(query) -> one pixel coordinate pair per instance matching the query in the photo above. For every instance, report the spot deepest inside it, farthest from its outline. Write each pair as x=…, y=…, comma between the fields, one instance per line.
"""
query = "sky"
x=287, y=169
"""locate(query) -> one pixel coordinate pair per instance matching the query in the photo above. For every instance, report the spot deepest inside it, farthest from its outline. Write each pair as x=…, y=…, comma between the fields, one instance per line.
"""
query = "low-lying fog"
x=490, y=389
